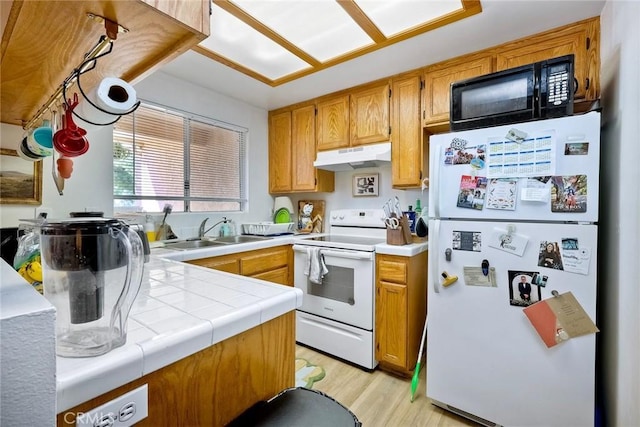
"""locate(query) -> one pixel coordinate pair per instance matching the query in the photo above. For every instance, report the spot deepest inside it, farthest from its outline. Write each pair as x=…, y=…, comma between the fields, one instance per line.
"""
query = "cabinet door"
x=227, y=263
x=369, y=115
x=280, y=152
x=391, y=323
x=303, y=148
x=437, y=85
x=579, y=39
x=279, y=275
x=333, y=123
x=407, y=159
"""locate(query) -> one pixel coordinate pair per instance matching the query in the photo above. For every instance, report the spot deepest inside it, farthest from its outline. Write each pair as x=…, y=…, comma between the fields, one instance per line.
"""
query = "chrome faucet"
x=202, y=231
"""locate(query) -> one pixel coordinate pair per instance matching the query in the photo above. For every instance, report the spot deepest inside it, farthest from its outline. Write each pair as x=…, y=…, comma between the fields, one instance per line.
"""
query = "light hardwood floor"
x=378, y=398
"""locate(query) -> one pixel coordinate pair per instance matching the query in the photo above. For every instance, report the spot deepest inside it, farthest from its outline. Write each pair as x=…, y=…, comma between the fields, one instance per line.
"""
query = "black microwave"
x=536, y=91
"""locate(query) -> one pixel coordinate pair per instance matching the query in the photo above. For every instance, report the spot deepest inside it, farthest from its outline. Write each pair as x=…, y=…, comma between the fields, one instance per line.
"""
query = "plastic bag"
x=27, y=261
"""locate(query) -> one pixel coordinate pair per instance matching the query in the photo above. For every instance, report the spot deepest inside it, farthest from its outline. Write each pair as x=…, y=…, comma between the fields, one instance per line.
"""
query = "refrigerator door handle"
x=435, y=189
x=434, y=254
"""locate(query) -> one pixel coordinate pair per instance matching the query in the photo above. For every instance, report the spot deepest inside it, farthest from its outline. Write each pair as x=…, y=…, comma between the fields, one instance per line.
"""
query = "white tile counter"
x=180, y=310
x=402, y=250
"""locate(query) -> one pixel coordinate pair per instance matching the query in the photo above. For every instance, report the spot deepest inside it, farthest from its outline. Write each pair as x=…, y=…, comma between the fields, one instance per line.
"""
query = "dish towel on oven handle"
x=316, y=268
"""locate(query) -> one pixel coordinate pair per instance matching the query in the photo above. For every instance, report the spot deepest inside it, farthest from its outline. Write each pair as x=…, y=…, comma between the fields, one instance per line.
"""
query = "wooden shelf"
x=42, y=42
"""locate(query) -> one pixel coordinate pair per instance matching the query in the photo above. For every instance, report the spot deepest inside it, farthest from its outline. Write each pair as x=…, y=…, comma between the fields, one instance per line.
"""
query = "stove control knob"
x=334, y=216
x=341, y=217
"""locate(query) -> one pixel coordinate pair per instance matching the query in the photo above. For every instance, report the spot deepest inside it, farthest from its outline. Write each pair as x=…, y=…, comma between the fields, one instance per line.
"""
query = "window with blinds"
x=162, y=156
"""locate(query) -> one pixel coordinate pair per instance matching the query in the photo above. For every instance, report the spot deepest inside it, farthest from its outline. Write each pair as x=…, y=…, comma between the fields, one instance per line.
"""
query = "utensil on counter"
x=162, y=233
x=392, y=223
x=396, y=207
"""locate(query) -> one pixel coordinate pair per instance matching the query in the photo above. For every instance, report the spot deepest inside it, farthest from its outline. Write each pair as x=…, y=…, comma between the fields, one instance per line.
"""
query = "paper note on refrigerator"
x=534, y=156
x=576, y=260
x=508, y=241
x=559, y=318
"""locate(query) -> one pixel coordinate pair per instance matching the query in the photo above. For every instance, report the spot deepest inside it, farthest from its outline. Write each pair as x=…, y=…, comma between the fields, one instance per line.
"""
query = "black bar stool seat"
x=297, y=406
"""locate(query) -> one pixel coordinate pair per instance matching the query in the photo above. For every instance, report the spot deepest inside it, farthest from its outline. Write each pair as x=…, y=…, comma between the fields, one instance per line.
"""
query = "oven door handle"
x=337, y=253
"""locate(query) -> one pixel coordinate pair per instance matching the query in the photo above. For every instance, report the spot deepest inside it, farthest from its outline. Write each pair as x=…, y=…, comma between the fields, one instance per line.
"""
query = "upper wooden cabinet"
x=333, y=123
x=369, y=113
x=580, y=39
x=437, y=85
x=408, y=160
x=280, y=152
x=358, y=117
x=292, y=150
x=44, y=40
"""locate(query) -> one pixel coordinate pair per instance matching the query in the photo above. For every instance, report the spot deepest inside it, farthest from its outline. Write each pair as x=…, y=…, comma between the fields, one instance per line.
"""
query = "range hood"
x=346, y=159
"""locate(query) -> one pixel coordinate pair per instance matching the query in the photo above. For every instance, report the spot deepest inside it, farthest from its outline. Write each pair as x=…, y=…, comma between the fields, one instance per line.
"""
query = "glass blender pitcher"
x=92, y=272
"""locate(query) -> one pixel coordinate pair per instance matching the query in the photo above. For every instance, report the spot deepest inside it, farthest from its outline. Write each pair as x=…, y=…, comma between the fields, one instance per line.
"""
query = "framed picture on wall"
x=20, y=180
x=365, y=185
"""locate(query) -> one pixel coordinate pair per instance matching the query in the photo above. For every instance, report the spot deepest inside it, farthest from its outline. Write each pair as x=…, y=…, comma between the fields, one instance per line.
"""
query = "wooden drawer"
x=392, y=271
x=264, y=261
x=227, y=263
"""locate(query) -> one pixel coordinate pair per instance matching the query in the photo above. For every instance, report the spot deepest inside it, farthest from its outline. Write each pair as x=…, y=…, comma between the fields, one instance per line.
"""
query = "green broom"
x=416, y=373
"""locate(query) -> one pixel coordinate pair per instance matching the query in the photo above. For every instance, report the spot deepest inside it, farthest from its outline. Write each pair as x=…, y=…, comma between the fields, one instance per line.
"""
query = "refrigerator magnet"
x=576, y=149
x=569, y=193
x=513, y=243
x=474, y=276
x=522, y=292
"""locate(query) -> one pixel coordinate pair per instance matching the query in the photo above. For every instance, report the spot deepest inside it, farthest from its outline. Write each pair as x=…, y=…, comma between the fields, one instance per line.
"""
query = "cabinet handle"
x=587, y=86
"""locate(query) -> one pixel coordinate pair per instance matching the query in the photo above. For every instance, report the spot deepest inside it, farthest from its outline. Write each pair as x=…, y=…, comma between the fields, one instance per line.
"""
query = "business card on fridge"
x=513, y=243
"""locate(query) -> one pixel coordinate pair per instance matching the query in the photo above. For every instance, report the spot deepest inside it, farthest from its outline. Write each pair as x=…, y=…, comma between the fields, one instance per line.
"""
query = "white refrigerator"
x=510, y=206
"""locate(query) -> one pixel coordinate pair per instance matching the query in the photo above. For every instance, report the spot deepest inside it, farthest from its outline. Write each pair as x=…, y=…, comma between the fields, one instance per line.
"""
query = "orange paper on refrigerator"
x=560, y=318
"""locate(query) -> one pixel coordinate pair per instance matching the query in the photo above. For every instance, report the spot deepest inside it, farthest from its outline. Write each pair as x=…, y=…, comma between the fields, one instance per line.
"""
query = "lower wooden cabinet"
x=270, y=264
x=401, y=309
x=215, y=385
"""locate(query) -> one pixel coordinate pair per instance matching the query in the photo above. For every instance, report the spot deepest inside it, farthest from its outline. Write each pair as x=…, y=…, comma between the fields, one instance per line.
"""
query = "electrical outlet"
x=122, y=411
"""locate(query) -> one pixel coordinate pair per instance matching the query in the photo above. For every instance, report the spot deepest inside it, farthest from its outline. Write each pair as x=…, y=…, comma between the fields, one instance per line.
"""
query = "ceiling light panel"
x=246, y=46
x=394, y=17
x=319, y=27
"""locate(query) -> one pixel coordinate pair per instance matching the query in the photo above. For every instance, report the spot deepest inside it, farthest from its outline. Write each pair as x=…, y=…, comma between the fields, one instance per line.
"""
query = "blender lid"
x=88, y=225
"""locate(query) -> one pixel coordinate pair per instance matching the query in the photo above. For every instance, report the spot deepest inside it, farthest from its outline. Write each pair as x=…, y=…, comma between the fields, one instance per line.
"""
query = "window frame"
x=187, y=199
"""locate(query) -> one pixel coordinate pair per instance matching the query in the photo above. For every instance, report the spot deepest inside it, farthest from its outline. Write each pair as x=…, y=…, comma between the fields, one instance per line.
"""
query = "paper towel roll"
x=113, y=95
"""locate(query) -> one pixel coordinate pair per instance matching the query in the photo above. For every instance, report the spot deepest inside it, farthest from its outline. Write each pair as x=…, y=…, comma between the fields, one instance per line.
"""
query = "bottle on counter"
x=150, y=229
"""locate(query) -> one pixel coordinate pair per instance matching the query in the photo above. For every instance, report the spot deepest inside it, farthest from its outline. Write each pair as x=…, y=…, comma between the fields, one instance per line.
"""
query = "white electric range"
x=337, y=316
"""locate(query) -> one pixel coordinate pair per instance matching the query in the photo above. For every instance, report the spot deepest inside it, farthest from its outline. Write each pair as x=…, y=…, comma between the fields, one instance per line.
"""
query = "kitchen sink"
x=192, y=244
x=239, y=239
x=208, y=242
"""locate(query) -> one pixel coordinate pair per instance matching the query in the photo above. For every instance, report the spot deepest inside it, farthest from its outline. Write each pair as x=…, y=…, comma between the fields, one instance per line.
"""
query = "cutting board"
x=311, y=218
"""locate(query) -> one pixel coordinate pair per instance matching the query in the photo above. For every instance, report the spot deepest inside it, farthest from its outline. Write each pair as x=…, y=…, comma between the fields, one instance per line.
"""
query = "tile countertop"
x=210, y=251
x=180, y=310
x=404, y=250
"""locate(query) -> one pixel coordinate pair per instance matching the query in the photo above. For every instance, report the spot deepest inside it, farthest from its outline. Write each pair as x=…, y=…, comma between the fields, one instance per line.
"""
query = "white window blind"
x=162, y=156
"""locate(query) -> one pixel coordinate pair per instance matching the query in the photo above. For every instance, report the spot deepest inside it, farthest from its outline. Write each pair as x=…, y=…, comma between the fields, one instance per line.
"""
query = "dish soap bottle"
x=225, y=230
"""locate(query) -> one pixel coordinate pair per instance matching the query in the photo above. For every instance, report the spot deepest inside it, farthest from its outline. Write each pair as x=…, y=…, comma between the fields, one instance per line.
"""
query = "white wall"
x=90, y=185
x=342, y=197
x=169, y=91
x=619, y=278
